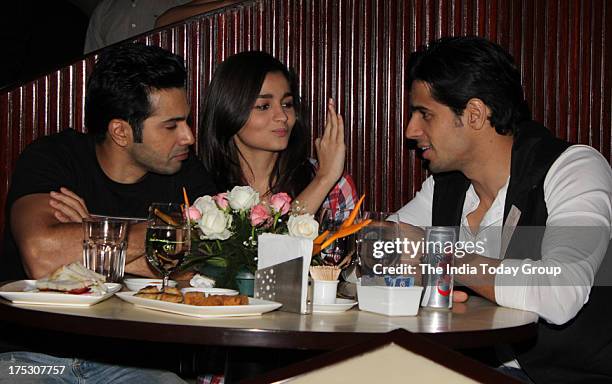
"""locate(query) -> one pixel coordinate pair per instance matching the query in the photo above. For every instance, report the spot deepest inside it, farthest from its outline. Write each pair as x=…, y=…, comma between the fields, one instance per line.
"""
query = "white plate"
x=18, y=293
x=137, y=284
x=341, y=305
x=255, y=307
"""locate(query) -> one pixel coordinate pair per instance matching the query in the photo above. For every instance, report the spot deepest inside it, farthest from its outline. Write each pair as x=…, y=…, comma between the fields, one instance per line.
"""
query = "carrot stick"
x=167, y=219
x=345, y=232
x=349, y=220
x=321, y=237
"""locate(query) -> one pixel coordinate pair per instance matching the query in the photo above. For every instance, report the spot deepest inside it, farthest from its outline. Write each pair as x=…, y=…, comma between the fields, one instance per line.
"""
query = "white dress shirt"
x=578, y=193
x=116, y=20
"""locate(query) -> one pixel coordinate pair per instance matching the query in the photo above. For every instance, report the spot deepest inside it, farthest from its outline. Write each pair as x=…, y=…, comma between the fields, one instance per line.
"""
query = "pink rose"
x=221, y=200
x=194, y=213
x=280, y=202
x=259, y=214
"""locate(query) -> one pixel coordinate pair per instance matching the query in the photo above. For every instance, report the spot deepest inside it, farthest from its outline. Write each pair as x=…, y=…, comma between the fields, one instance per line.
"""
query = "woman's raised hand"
x=331, y=150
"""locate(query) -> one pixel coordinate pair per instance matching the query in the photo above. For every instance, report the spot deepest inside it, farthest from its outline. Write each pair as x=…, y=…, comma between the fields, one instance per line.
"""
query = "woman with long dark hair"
x=253, y=133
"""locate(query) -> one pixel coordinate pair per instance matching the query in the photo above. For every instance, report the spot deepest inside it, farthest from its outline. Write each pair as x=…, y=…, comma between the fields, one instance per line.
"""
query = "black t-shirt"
x=68, y=159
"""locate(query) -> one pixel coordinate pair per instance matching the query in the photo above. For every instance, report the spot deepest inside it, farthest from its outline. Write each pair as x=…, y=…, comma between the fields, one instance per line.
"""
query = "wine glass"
x=168, y=238
x=338, y=251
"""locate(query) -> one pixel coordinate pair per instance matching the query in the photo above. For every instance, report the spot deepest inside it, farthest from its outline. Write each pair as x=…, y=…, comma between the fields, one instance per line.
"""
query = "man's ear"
x=120, y=132
x=476, y=113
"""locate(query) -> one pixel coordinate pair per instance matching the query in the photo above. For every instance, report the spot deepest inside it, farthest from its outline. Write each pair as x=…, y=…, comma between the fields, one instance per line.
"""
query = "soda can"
x=437, y=278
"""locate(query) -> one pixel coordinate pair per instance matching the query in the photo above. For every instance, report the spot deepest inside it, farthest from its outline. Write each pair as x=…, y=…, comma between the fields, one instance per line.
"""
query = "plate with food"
x=197, y=304
x=70, y=285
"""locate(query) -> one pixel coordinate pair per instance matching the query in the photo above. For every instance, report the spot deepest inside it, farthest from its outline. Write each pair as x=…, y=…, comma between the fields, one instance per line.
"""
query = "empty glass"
x=377, y=246
x=104, y=246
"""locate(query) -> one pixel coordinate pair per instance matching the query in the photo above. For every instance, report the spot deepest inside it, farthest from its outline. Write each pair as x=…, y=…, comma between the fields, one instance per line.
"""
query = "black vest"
x=579, y=351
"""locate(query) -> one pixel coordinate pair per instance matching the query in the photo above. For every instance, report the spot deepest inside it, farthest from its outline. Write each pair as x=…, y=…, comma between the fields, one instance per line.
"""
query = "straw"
x=349, y=220
x=186, y=199
x=324, y=272
x=166, y=218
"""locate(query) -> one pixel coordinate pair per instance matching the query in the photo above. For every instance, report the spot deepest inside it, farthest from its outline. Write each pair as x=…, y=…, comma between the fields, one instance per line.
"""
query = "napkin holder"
x=282, y=274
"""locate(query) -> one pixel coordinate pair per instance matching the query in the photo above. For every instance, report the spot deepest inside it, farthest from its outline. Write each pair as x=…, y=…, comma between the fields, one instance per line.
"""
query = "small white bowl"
x=137, y=284
x=210, y=291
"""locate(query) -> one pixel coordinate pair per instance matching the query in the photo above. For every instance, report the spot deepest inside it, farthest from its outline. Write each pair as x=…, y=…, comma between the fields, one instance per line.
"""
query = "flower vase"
x=245, y=281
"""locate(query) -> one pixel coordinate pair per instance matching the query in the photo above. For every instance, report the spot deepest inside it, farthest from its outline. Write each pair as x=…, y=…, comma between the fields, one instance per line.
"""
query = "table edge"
x=243, y=337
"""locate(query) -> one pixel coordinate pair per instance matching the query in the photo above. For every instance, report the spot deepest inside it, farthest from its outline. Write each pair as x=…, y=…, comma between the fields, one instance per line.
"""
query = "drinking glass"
x=104, y=246
x=168, y=238
x=376, y=245
x=342, y=248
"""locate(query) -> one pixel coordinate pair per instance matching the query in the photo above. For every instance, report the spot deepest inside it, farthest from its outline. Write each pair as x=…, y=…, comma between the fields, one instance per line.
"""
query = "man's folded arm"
x=45, y=243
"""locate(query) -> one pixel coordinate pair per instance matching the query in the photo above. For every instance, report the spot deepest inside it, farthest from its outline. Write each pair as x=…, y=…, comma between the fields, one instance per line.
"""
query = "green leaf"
x=217, y=261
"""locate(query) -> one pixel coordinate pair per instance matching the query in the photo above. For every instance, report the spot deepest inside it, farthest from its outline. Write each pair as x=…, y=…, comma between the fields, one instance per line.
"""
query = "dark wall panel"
x=356, y=52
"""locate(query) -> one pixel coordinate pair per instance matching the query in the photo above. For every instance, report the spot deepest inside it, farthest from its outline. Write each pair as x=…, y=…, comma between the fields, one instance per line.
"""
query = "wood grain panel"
x=356, y=51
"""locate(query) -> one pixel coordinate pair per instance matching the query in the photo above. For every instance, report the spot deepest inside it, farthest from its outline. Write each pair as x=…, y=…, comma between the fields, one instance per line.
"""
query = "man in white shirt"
x=116, y=20
x=494, y=171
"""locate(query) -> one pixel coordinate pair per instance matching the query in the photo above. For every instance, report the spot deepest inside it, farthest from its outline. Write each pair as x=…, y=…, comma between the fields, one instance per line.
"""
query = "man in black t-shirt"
x=137, y=151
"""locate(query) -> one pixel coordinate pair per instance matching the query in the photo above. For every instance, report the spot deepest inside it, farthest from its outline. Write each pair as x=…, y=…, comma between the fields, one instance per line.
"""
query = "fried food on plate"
x=152, y=296
x=198, y=298
x=171, y=298
x=236, y=300
x=194, y=298
x=172, y=291
x=149, y=289
x=173, y=295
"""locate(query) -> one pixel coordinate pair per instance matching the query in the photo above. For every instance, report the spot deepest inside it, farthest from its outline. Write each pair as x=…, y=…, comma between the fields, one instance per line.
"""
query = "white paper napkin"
x=274, y=249
x=282, y=252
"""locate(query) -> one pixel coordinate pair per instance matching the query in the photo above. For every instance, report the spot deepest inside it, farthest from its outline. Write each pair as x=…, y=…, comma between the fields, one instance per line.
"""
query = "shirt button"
x=133, y=25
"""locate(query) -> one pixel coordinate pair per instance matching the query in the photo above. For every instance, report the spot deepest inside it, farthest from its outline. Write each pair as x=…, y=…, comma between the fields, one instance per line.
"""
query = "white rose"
x=303, y=226
x=242, y=198
x=214, y=223
x=204, y=203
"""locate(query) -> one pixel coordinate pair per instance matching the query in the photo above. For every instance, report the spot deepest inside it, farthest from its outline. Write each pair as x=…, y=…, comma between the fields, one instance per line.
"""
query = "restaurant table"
x=474, y=324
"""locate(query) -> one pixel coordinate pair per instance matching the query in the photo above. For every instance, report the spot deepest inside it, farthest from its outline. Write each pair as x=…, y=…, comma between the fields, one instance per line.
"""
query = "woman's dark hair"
x=121, y=82
x=457, y=69
x=226, y=107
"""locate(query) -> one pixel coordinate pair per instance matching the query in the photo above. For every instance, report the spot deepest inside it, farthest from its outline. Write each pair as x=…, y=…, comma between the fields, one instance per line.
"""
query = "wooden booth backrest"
x=356, y=52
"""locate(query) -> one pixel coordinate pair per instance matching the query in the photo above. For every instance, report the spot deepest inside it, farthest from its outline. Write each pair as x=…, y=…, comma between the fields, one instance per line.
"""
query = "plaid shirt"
x=342, y=197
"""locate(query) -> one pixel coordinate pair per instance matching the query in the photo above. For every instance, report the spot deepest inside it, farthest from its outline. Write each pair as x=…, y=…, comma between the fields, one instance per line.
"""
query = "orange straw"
x=349, y=220
x=186, y=199
x=166, y=218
